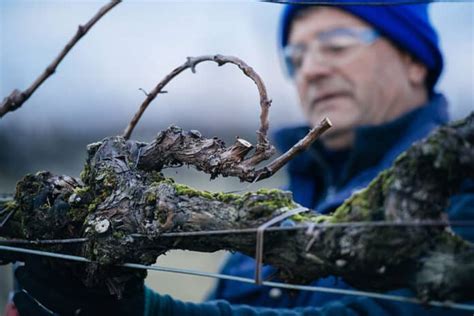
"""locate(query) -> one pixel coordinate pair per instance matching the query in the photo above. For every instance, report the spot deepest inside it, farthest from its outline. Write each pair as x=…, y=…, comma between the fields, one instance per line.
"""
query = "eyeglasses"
x=335, y=47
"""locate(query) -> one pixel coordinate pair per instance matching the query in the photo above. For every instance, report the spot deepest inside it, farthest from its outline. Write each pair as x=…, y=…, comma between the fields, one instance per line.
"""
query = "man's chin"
x=338, y=140
x=337, y=137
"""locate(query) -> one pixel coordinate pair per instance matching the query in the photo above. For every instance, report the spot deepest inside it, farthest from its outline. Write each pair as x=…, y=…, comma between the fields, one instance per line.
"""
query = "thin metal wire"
x=5, y=197
x=51, y=313
x=424, y=223
x=6, y=218
x=259, y=242
x=306, y=287
x=309, y=227
x=45, y=253
x=412, y=300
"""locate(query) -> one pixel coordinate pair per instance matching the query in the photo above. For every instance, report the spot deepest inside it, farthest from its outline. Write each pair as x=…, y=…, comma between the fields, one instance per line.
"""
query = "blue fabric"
x=160, y=305
x=462, y=209
x=313, y=186
x=408, y=26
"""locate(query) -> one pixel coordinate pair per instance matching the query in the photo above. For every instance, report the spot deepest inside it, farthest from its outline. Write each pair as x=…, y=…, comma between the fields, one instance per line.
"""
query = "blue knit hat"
x=408, y=26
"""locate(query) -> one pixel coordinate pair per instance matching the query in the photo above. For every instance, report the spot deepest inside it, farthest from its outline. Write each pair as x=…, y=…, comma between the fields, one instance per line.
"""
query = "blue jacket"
x=322, y=185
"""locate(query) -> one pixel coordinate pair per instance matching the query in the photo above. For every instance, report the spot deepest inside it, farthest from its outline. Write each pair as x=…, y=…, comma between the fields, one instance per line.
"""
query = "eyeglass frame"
x=366, y=36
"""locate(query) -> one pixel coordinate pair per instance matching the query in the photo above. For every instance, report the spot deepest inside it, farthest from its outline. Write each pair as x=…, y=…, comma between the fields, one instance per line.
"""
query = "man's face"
x=377, y=85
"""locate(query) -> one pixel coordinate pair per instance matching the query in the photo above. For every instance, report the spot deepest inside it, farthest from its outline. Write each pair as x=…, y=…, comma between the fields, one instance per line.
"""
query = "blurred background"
x=95, y=91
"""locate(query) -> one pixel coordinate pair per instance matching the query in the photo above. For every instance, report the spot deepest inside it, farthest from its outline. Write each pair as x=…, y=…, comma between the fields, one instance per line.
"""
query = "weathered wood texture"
x=122, y=193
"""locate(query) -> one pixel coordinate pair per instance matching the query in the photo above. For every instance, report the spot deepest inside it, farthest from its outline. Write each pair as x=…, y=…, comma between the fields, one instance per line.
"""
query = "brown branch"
x=175, y=147
x=126, y=213
x=300, y=146
x=16, y=98
x=263, y=144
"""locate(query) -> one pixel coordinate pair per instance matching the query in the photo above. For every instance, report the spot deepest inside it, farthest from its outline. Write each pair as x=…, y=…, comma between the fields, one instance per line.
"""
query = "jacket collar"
x=372, y=145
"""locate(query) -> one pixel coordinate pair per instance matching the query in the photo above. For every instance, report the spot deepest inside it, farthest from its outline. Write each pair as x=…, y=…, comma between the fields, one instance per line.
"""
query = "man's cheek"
x=308, y=110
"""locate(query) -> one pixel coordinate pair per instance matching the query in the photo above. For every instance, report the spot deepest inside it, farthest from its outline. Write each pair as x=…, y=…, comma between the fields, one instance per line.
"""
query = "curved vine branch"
x=191, y=63
x=16, y=98
x=174, y=147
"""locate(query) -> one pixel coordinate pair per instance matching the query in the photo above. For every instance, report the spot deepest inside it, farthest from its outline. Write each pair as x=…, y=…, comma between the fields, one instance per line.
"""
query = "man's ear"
x=417, y=72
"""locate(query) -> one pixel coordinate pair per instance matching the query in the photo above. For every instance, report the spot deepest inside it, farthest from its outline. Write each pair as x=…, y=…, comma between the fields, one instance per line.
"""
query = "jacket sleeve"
x=156, y=304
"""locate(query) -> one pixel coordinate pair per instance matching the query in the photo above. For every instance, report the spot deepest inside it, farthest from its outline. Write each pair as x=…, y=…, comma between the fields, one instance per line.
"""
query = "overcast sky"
x=139, y=42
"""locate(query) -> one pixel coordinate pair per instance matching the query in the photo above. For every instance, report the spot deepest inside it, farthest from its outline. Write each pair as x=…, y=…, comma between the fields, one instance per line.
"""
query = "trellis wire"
x=248, y=280
x=259, y=239
x=309, y=227
x=424, y=223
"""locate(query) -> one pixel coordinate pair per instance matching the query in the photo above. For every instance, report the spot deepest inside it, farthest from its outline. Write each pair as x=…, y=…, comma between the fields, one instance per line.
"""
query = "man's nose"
x=314, y=67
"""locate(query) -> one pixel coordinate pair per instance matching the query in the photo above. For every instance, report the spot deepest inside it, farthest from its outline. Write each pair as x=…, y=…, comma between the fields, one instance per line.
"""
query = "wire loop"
x=259, y=244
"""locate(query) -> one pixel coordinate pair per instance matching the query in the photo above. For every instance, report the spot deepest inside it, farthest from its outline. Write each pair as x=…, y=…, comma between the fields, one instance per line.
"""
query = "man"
x=372, y=71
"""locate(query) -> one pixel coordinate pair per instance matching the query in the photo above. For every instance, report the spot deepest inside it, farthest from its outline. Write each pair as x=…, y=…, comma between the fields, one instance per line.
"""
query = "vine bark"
x=123, y=205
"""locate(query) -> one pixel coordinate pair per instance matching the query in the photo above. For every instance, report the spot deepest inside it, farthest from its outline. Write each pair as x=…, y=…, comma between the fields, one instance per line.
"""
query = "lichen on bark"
x=124, y=205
